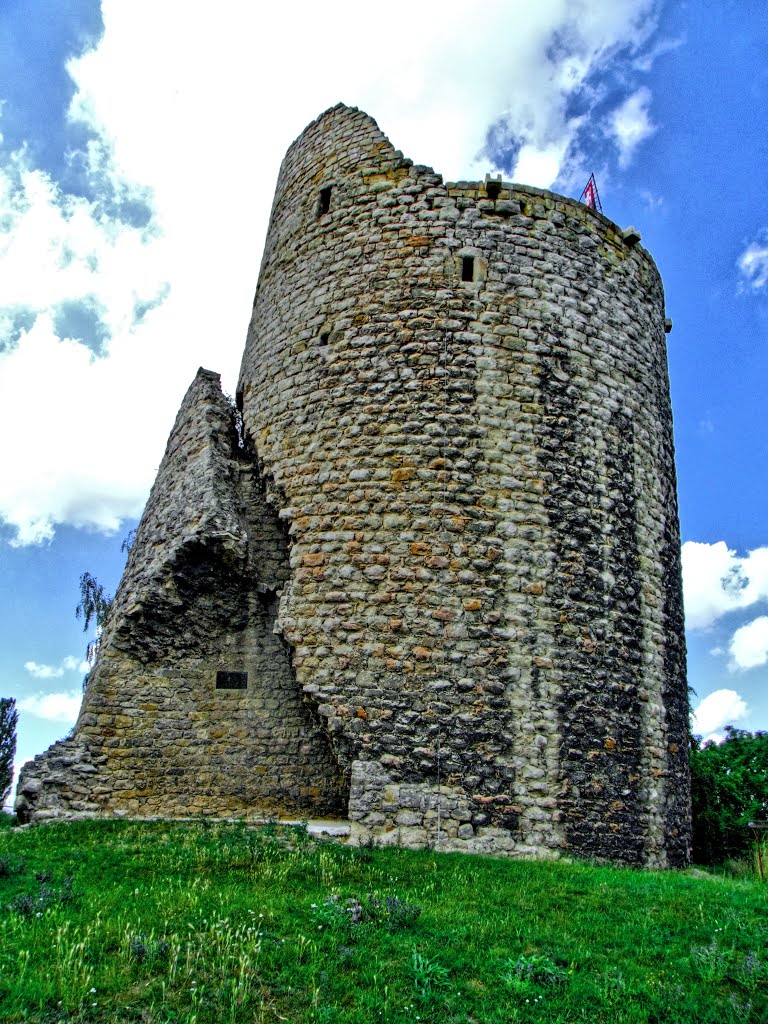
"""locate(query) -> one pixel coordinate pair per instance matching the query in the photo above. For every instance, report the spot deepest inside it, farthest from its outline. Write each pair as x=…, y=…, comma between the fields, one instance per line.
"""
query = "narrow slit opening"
x=324, y=202
x=467, y=268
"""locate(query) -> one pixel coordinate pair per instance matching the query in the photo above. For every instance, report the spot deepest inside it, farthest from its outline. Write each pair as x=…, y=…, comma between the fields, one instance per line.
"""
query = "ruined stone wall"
x=155, y=735
x=448, y=554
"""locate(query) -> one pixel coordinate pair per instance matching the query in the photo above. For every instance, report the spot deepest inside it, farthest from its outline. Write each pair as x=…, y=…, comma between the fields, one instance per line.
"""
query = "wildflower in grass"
x=525, y=972
x=711, y=962
x=391, y=911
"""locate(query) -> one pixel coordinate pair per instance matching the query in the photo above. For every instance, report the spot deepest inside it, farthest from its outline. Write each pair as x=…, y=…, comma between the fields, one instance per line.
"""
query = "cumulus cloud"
x=113, y=298
x=43, y=671
x=718, y=709
x=76, y=409
x=647, y=59
x=73, y=664
x=54, y=707
x=717, y=581
x=753, y=264
x=749, y=645
x=631, y=123
x=67, y=664
x=58, y=248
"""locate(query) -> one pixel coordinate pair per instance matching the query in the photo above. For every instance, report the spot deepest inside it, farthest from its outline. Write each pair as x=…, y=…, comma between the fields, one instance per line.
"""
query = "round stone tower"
x=457, y=396
x=431, y=579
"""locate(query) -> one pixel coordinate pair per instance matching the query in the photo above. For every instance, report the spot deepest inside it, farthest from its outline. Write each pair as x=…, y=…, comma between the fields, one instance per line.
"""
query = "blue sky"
x=140, y=145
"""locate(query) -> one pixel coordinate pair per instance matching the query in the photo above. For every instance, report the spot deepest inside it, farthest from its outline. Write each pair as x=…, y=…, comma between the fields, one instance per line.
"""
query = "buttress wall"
x=459, y=397
x=157, y=734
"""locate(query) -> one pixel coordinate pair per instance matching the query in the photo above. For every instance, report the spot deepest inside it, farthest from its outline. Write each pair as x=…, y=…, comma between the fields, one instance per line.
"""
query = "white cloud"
x=43, y=671
x=723, y=707
x=749, y=645
x=68, y=664
x=706, y=426
x=753, y=263
x=73, y=664
x=55, y=707
x=57, y=247
x=631, y=123
x=717, y=581
x=653, y=202
x=714, y=737
x=647, y=59
x=77, y=448
x=204, y=127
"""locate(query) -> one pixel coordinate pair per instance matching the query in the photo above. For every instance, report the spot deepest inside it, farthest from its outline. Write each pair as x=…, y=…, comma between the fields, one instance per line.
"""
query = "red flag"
x=590, y=196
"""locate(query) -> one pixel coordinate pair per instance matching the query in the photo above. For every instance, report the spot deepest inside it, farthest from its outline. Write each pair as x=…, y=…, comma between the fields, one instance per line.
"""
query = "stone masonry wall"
x=155, y=736
x=479, y=481
x=447, y=554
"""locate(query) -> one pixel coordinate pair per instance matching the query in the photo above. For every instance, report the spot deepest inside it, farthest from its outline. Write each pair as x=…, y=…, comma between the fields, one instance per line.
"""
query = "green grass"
x=195, y=923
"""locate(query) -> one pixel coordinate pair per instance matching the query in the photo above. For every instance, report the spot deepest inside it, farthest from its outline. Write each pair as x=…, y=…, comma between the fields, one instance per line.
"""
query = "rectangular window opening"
x=324, y=204
x=467, y=268
x=231, y=680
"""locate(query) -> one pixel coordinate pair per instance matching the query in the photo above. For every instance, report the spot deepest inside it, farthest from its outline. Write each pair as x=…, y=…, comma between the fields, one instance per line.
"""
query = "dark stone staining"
x=675, y=698
x=675, y=691
x=595, y=596
x=204, y=596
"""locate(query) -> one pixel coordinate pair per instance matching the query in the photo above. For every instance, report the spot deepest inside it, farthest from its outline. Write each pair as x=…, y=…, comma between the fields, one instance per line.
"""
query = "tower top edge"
x=344, y=111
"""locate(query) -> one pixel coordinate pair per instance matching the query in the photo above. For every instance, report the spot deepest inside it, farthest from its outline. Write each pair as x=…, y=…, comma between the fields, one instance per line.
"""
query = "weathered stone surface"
x=198, y=596
x=447, y=554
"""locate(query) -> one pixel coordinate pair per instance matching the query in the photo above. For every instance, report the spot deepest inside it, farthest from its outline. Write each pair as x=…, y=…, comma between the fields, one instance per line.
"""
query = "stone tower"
x=426, y=576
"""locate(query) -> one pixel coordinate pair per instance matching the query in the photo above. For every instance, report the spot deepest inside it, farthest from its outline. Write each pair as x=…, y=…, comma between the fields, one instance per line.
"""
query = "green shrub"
x=9, y=716
x=730, y=789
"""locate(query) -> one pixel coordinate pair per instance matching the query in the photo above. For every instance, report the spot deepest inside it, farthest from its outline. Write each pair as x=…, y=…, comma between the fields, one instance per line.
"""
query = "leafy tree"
x=93, y=607
x=730, y=789
x=129, y=540
x=9, y=716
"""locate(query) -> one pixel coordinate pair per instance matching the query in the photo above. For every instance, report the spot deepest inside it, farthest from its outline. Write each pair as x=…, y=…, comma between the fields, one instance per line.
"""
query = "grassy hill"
x=194, y=923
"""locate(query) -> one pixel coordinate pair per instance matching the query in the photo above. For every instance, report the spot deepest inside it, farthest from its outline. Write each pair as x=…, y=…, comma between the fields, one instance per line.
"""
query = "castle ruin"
x=425, y=575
